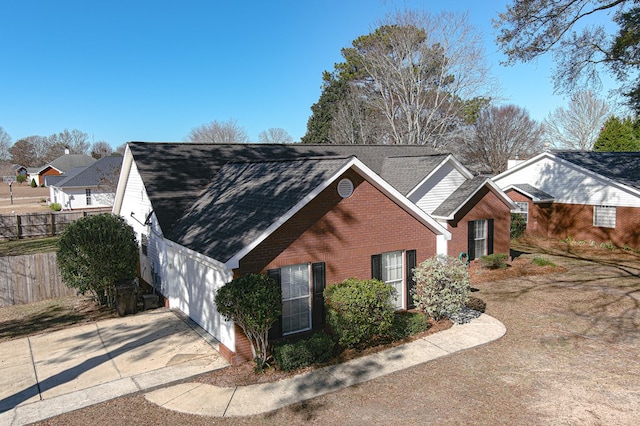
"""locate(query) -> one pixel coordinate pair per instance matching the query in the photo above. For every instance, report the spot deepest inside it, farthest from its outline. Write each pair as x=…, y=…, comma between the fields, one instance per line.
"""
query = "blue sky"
x=152, y=70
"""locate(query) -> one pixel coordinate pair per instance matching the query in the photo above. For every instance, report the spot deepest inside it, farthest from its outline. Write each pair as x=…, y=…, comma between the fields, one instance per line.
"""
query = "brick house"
x=592, y=196
x=308, y=215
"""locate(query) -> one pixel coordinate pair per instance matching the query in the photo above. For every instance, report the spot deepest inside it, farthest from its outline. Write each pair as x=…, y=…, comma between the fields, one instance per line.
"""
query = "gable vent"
x=345, y=188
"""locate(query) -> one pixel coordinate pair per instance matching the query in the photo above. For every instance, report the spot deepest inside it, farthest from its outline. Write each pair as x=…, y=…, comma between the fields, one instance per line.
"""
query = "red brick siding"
x=343, y=233
x=560, y=221
x=485, y=205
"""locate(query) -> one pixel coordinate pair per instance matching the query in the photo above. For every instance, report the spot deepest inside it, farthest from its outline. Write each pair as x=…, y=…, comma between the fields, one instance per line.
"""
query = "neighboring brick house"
x=308, y=215
x=60, y=165
x=592, y=196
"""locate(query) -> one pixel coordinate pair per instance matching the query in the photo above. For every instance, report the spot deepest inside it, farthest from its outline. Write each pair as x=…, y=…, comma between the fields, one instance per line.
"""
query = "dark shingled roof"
x=623, y=167
x=244, y=199
x=459, y=196
x=405, y=173
x=104, y=171
x=535, y=193
x=66, y=162
x=174, y=174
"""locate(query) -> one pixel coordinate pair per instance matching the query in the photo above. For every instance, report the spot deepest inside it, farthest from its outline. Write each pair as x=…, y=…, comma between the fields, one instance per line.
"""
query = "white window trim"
x=606, y=218
x=403, y=285
x=523, y=211
x=309, y=297
x=485, y=238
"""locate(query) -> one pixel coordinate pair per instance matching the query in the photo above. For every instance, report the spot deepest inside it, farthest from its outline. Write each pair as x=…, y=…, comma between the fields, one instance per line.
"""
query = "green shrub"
x=358, y=310
x=442, y=286
x=316, y=348
x=21, y=178
x=56, y=207
x=33, y=183
x=254, y=302
x=407, y=324
x=494, y=261
x=518, y=225
x=95, y=253
x=542, y=261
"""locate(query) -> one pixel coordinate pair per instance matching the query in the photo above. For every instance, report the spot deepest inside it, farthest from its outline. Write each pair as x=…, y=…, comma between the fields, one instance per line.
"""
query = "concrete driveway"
x=56, y=372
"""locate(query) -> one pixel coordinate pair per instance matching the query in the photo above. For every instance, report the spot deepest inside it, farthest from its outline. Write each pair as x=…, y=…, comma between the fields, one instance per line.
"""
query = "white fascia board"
x=127, y=161
x=449, y=158
x=535, y=200
x=369, y=175
x=493, y=188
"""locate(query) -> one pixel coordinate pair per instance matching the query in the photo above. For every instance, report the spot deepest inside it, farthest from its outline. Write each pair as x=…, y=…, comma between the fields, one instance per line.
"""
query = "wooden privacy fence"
x=30, y=278
x=30, y=225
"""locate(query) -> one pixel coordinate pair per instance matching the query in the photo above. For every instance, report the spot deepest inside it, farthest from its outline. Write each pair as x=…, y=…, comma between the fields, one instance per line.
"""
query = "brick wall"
x=484, y=205
x=553, y=220
x=343, y=233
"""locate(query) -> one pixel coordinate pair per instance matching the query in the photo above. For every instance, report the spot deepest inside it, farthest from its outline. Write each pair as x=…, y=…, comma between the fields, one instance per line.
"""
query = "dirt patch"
x=25, y=199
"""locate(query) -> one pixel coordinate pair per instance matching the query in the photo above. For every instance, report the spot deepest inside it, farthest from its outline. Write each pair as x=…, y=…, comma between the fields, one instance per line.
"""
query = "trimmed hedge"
x=313, y=349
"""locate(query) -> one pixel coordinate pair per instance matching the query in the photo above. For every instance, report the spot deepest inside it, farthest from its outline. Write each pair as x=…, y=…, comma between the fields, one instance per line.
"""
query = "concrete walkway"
x=50, y=374
x=207, y=400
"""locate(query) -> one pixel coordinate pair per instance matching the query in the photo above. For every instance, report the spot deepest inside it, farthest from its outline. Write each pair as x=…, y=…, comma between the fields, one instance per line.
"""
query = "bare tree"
x=275, y=135
x=218, y=132
x=101, y=149
x=418, y=71
x=502, y=133
x=5, y=145
x=577, y=126
x=355, y=122
x=75, y=140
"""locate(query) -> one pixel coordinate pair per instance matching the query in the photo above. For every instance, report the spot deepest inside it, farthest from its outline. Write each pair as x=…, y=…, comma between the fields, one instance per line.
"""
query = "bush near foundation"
x=313, y=349
x=358, y=310
x=442, y=286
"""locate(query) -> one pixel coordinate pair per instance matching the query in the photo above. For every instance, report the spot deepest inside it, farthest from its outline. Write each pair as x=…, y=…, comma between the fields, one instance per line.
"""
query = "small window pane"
x=604, y=216
x=480, y=243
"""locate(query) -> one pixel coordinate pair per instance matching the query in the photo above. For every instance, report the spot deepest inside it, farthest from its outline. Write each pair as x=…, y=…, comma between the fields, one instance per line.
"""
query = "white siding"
x=569, y=184
x=76, y=198
x=136, y=201
x=437, y=188
x=192, y=284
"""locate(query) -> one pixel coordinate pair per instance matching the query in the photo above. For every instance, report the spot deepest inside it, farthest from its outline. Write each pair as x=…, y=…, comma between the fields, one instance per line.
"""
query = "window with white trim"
x=392, y=273
x=604, y=216
x=480, y=238
x=88, y=196
x=295, y=281
x=523, y=209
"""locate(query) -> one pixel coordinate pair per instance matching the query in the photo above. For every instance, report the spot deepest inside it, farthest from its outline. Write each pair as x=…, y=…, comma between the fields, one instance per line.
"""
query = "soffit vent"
x=345, y=188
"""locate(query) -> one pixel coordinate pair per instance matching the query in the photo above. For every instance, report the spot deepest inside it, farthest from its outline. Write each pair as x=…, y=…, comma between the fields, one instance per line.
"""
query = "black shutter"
x=276, y=329
x=319, y=281
x=471, y=236
x=490, y=236
x=411, y=283
x=376, y=266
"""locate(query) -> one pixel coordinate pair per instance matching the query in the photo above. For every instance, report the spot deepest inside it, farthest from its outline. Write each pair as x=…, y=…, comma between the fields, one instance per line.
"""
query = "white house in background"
x=92, y=186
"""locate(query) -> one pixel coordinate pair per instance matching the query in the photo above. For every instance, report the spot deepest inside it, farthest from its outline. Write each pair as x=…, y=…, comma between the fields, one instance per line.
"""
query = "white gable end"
x=437, y=188
x=569, y=184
